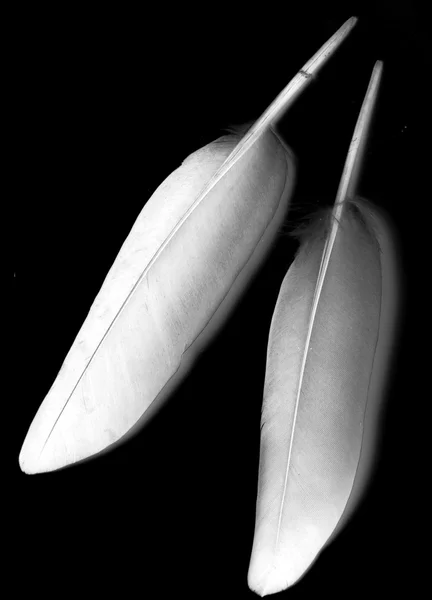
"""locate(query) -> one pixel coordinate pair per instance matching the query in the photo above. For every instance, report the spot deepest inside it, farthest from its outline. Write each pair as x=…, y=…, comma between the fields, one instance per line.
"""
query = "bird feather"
x=184, y=263
x=326, y=343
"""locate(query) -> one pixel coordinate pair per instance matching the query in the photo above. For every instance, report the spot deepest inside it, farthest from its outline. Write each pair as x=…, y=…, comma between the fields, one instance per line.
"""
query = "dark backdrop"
x=108, y=105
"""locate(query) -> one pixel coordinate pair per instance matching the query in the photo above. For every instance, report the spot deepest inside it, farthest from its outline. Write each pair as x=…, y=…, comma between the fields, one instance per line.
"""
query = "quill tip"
x=25, y=465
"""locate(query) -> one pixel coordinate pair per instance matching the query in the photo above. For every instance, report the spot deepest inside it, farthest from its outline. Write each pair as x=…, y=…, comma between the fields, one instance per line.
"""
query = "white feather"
x=184, y=263
x=323, y=353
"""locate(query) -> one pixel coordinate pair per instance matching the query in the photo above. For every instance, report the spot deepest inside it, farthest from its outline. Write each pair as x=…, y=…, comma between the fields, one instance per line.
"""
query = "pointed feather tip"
x=37, y=458
x=270, y=573
x=27, y=465
x=29, y=460
x=33, y=464
x=32, y=460
x=351, y=22
x=272, y=582
x=25, y=457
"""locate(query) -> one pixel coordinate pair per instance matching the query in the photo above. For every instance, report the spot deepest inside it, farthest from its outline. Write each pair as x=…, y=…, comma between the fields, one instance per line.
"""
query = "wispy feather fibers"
x=187, y=258
x=326, y=345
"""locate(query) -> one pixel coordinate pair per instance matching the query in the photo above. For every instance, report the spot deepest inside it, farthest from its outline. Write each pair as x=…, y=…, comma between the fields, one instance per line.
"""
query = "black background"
x=108, y=105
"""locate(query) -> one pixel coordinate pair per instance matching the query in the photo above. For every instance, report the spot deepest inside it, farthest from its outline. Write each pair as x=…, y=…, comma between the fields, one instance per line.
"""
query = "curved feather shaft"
x=321, y=356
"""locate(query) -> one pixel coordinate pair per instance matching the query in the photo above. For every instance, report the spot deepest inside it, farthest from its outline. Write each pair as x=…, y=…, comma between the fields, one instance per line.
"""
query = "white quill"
x=327, y=351
x=187, y=258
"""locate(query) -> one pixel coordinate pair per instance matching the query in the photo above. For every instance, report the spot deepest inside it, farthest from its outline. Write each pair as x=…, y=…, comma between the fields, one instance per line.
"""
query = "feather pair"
x=186, y=261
